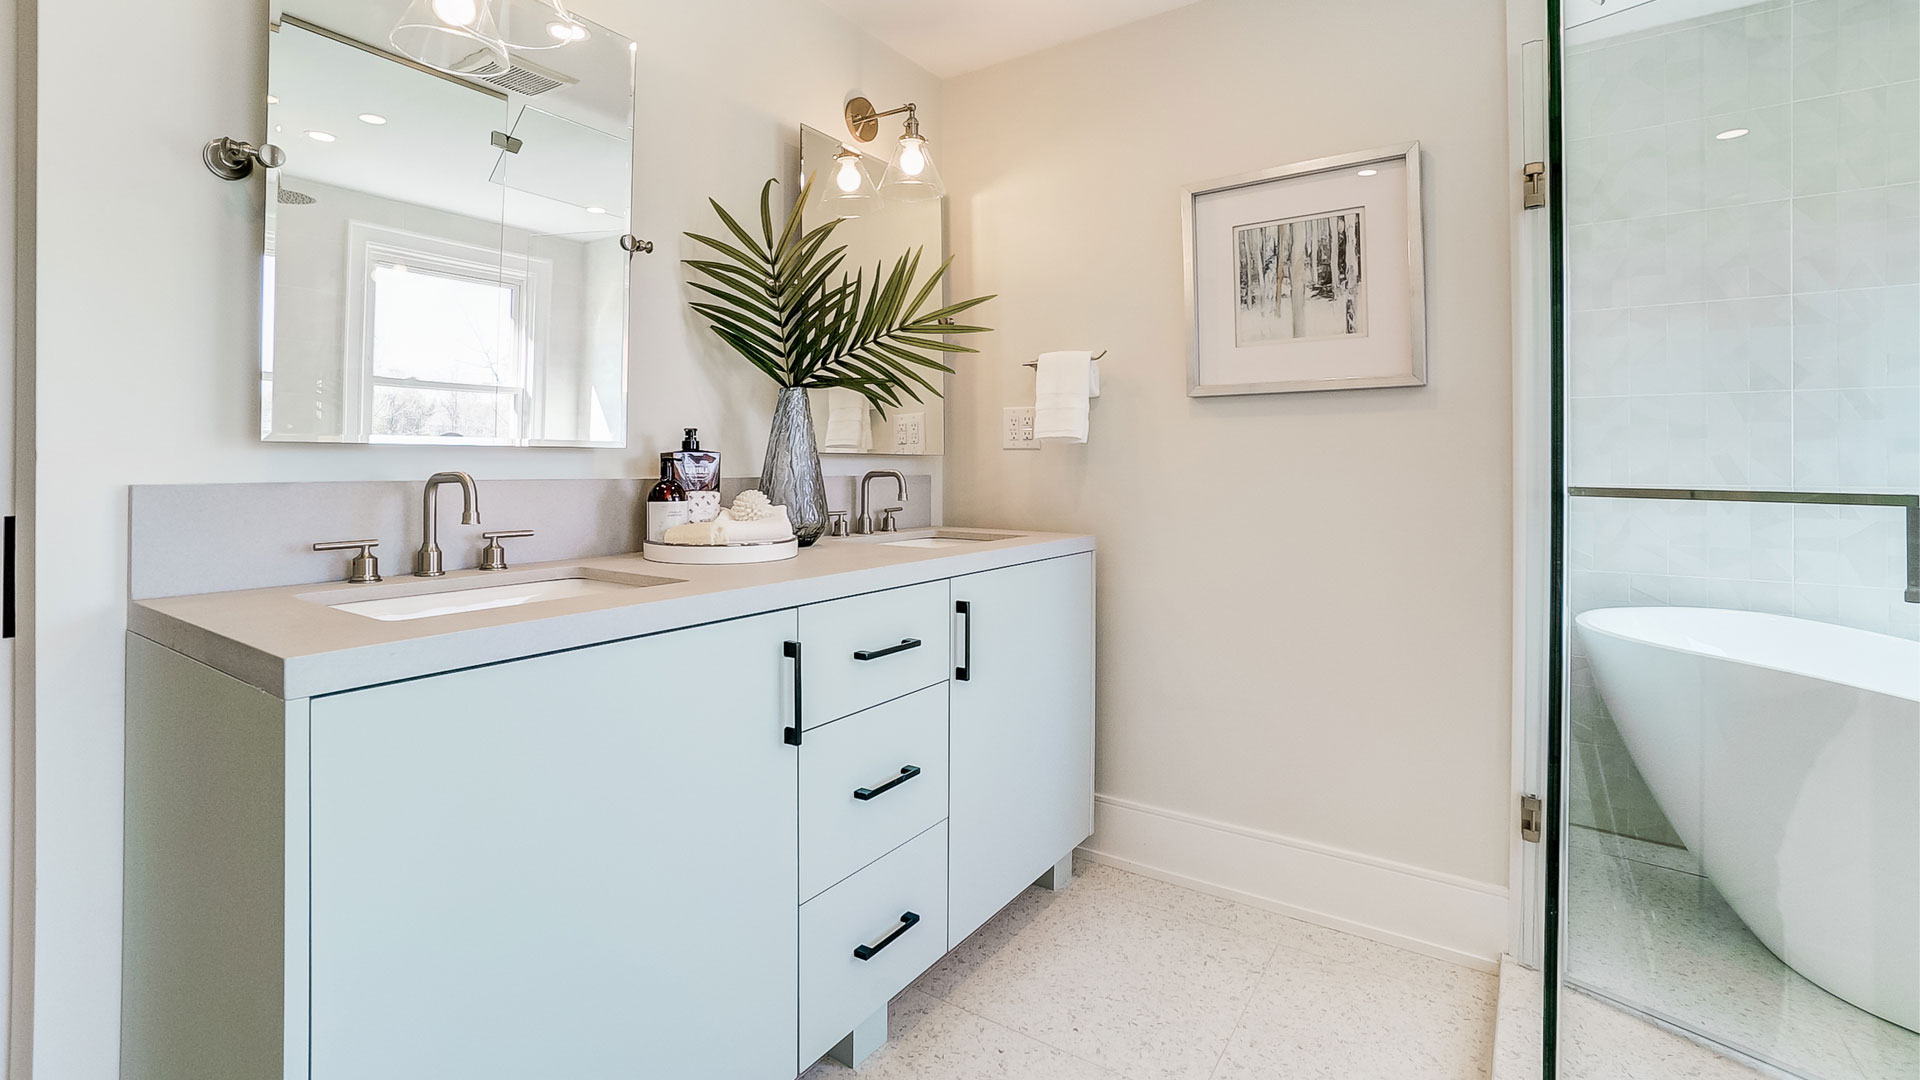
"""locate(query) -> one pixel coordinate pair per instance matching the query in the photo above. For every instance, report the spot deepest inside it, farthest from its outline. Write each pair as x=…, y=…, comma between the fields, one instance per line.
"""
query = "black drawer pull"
x=907, y=772
x=875, y=654
x=963, y=671
x=868, y=952
x=792, y=736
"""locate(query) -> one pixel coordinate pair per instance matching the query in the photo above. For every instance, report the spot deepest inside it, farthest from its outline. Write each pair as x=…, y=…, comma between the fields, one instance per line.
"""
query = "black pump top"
x=692, y=441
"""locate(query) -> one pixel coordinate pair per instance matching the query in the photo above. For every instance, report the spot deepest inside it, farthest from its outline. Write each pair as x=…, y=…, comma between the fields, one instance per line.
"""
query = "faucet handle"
x=836, y=523
x=887, y=524
x=493, y=556
x=362, y=569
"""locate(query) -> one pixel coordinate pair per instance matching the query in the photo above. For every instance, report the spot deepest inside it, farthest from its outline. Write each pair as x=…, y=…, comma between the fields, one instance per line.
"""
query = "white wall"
x=1304, y=599
x=146, y=355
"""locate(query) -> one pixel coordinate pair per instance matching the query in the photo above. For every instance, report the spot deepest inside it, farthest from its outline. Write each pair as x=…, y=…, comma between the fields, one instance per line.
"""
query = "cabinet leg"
x=863, y=1041
x=1059, y=877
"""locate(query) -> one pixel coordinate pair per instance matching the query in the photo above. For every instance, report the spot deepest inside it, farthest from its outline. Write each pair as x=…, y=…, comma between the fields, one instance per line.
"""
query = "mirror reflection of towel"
x=847, y=427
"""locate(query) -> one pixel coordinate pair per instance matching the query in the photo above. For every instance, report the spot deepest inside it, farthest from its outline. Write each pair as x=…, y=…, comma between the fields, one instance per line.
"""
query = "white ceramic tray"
x=715, y=554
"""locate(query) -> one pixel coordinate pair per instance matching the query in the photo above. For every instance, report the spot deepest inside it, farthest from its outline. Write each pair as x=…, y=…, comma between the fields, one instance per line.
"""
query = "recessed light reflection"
x=562, y=31
x=372, y=118
x=320, y=136
x=1369, y=172
x=1731, y=133
x=271, y=100
x=596, y=209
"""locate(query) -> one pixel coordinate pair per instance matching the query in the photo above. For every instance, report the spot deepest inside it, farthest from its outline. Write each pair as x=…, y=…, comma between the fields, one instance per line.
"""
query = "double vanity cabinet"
x=708, y=851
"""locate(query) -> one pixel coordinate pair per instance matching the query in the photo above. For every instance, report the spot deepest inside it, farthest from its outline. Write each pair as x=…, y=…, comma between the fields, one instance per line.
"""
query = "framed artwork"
x=1307, y=277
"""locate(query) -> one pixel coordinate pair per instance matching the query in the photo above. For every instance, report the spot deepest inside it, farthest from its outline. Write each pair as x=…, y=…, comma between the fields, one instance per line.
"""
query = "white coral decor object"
x=750, y=506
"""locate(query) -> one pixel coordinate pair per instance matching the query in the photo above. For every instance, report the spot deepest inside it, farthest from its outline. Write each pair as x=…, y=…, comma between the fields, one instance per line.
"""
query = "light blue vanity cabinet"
x=709, y=851
x=560, y=866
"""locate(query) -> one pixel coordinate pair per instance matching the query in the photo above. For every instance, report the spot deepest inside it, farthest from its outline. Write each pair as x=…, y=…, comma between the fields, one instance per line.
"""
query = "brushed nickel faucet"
x=426, y=561
x=864, y=523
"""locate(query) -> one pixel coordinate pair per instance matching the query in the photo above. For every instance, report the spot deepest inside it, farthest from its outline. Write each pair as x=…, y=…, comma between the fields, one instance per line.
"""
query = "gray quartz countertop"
x=292, y=643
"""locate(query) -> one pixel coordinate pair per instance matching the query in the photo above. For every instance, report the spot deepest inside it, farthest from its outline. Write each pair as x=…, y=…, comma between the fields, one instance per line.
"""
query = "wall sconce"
x=455, y=36
x=844, y=188
x=910, y=176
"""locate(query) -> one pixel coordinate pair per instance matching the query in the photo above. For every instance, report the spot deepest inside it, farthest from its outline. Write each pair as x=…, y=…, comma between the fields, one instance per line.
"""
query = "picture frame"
x=1307, y=277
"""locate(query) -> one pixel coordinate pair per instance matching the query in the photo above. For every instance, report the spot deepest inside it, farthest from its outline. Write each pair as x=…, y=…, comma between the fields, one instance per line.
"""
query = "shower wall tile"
x=1865, y=439
x=1756, y=167
x=1857, y=338
x=1857, y=139
x=1857, y=239
x=1841, y=45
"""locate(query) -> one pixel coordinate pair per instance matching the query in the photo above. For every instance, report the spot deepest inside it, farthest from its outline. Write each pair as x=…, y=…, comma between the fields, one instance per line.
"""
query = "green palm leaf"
x=775, y=300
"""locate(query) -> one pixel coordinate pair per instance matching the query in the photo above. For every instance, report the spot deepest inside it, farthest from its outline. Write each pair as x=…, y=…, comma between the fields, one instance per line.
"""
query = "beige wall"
x=147, y=306
x=1304, y=599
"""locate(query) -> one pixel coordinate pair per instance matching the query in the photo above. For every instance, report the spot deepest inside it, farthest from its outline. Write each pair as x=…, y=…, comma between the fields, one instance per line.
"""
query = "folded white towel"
x=847, y=426
x=724, y=530
x=1064, y=383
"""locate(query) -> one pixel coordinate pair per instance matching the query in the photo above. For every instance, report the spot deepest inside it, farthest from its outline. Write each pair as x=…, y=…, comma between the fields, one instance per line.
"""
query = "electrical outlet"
x=910, y=432
x=1017, y=428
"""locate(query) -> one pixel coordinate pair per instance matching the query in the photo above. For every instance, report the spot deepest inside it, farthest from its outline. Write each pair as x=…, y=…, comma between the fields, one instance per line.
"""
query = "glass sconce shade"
x=536, y=24
x=456, y=36
x=844, y=188
x=911, y=176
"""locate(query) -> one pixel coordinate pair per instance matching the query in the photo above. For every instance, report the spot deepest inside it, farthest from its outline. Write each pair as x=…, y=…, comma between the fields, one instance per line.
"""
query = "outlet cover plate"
x=910, y=432
x=1017, y=428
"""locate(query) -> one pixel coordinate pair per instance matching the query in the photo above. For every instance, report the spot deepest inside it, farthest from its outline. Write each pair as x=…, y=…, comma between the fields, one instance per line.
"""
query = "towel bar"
x=1035, y=364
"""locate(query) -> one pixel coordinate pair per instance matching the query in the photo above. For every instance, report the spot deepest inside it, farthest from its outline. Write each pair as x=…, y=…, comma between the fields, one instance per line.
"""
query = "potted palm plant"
x=787, y=305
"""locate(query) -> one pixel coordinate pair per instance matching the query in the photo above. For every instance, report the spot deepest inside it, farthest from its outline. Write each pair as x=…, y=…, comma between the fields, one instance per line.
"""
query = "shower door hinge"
x=1531, y=812
x=507, y=142
x=1533, y=189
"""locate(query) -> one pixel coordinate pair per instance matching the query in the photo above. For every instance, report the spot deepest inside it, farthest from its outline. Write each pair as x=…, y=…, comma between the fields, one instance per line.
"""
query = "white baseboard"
x=1439, y=915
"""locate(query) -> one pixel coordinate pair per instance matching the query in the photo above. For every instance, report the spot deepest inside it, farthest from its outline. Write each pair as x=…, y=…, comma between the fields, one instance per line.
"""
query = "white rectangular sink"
x=455, y=601
x=932, y=542
x=938, y=538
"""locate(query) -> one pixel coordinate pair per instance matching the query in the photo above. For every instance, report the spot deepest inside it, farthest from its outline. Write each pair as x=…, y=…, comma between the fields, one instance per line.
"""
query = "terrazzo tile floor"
x=1123, y=976
x=1645, y=927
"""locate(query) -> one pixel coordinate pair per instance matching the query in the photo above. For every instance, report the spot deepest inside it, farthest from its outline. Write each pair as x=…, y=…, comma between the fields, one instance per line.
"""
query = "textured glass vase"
x=791, y=476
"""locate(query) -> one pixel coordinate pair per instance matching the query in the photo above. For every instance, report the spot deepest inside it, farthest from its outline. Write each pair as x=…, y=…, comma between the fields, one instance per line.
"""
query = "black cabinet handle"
x=868, y=952
x=907, y=772
x=964, y=670
x=875, y=654
x=793, y=733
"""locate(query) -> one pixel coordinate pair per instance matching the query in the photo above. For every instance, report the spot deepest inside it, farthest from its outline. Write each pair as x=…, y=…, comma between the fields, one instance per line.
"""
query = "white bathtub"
x=1786, y=753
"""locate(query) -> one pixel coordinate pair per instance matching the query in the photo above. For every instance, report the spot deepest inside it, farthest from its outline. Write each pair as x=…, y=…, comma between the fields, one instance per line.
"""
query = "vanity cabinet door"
x=581, y=864
x=1021, y=729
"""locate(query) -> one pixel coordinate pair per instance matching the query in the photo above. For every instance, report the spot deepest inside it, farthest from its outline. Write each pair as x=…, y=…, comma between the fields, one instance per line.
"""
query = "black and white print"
x=1300, y=279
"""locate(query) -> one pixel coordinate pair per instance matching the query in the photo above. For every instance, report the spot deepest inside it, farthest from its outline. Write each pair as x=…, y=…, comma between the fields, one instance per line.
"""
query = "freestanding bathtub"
x=1786, y=753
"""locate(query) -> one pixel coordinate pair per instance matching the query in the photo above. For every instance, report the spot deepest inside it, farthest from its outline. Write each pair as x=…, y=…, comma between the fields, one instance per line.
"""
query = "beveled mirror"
x=444, y=258
x=880, y=234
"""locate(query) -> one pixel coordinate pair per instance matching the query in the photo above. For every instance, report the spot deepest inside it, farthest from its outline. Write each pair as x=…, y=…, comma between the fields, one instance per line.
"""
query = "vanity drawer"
x=894, y=912
x=864, y=650
x=868, y=783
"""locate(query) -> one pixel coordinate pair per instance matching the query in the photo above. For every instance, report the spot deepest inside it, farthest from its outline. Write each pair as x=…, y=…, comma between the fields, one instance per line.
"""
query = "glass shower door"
x=1741, y=451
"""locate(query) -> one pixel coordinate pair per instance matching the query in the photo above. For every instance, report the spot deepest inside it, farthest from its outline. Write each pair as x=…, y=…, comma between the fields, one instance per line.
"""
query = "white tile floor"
x=1646, y=928
x=1122, y=976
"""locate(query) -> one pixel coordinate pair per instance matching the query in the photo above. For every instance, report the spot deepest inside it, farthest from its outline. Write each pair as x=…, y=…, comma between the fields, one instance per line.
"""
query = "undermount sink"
x=931, y=538
x=454, y=601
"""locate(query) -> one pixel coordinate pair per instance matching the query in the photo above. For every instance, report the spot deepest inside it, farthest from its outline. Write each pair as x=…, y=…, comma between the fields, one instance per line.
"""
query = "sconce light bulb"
x=457, y=12
x=847, y=177
x=912, y=160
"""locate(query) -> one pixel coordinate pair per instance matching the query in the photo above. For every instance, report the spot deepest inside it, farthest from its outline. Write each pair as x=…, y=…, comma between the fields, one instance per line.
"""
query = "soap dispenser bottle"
x=694, y=468
x=667, y=504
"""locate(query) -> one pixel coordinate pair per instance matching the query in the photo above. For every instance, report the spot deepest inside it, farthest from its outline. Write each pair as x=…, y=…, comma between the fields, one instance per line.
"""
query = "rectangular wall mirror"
x=872, y=240
x=443, y=251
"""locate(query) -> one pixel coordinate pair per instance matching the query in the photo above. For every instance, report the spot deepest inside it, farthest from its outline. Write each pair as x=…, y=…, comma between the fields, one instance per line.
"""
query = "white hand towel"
x=1062, y=387
x=847, y=427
